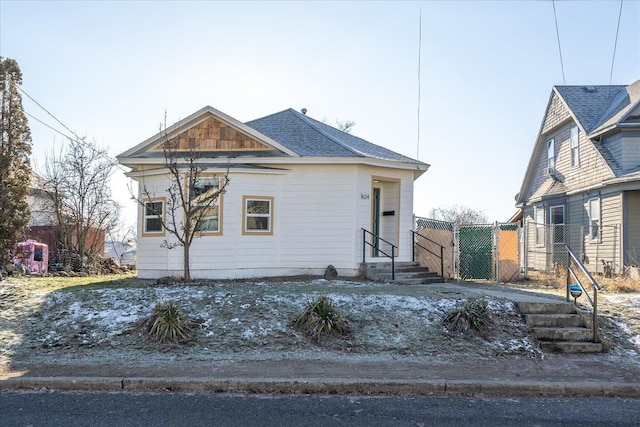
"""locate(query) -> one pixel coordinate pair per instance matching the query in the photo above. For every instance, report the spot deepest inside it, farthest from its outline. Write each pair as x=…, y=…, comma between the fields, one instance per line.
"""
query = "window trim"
x=144, y=215
x=245, y=216
x=574, y=146
x=598, y=237
x=554, y=225
x=218, y=203
x=539, y=237
x=551, y=153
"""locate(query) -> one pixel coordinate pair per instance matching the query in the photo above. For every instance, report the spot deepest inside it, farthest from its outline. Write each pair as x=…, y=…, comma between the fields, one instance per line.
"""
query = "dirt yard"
x=93, y=320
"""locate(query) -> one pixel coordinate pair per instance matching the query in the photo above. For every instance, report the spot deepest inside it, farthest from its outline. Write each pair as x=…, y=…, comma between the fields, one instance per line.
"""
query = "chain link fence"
x=489, y=252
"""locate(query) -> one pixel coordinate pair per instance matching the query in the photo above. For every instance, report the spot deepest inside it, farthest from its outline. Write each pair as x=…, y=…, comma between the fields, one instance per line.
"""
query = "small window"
x=551, y=154
x=539, y=217
x=575, y=147
x=258, y=215
x=205, y=195
x=557, y=221
x=153, y=216
x=594, y=220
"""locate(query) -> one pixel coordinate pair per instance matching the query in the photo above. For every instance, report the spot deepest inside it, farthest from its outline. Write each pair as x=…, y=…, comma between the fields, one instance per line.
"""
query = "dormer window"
x=575, y=146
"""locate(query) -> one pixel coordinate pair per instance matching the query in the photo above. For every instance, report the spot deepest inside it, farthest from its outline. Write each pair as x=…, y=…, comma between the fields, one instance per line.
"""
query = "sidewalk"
x=555, y=374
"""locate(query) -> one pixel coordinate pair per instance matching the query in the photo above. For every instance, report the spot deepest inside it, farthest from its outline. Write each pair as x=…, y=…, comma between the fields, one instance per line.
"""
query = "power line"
x=558, y=38
x=76, y=138
x=49, y=126
x=47, y=111
x=615, y=44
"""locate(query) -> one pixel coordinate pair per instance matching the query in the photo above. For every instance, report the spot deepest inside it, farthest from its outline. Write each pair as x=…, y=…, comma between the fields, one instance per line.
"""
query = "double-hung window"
x=551, y=154
x=257, y=215
x=205, y=203
x=539, y=218
x=594, y=220
x=153, y=212
x=557, y=221
x=575, y=147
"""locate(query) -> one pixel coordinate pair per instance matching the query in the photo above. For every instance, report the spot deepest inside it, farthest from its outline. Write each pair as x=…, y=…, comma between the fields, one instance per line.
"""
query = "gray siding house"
x=582, y=185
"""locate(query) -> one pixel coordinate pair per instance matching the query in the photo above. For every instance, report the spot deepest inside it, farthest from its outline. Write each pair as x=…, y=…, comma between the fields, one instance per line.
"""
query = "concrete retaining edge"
x=325, y=386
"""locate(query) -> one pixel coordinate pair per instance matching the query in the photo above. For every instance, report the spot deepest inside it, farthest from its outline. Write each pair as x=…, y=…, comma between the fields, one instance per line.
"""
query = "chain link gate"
x=473, y=252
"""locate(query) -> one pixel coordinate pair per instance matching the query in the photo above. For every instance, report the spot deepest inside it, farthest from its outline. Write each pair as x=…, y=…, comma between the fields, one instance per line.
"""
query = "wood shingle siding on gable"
x=557, y=114
x=213, y=135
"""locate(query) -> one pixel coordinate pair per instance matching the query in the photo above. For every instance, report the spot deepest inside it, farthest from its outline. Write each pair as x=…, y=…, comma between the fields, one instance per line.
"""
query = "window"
x=153, y=212
x=205, y=198
x=539, y=217
x=557, y=220
x=257, y=215
x=594, y=220
x=551, y=156
x=575, y=147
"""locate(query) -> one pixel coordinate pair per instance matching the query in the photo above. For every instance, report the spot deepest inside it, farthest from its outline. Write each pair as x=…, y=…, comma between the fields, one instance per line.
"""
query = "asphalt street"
x=56, y=408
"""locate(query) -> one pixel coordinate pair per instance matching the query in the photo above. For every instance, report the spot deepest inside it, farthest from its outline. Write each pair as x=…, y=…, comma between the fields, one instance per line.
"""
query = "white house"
x=300, y=194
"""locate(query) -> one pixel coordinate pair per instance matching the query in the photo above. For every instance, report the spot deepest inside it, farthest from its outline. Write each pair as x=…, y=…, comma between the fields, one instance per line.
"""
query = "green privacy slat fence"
x=475, y=251
x=488, y=251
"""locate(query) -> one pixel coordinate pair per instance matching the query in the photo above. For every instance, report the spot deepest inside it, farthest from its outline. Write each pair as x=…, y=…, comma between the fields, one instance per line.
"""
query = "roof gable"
x=209, y=130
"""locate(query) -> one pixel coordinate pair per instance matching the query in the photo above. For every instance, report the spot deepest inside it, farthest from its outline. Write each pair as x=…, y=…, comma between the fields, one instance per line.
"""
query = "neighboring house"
x=582, y=185
x=299, y=195
x=42, y=226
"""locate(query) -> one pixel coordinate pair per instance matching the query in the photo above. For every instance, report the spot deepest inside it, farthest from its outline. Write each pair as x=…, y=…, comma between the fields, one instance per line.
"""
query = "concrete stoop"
x=559, y=327
x=407, y=273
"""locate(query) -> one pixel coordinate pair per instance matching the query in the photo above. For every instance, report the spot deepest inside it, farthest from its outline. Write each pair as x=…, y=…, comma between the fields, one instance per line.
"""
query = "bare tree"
x=192, y=196
x=345, y=125
x=461, y=215
x=77, y=186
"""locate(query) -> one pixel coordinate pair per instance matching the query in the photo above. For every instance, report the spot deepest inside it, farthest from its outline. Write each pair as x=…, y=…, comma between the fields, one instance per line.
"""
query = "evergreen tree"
x=15, y=149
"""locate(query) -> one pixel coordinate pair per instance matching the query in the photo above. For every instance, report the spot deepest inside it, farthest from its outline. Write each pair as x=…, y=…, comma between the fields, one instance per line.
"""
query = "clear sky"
x=109, y=70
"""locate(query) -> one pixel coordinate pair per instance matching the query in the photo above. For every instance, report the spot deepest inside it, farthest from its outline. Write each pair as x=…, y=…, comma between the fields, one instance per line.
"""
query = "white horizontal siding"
x=318, y=212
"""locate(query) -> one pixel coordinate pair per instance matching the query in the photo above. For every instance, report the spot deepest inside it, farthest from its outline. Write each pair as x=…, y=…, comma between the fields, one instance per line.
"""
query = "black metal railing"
x=415, y=236
x=376, y=247
x=572, y=258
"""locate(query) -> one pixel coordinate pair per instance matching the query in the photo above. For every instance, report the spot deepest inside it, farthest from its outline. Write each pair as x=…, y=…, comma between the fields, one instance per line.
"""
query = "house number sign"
x=364, y=196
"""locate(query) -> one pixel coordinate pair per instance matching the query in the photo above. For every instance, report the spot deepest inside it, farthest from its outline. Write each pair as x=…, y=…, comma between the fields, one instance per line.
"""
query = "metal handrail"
x=415, y=243
x=571, y=256
x=393, y=250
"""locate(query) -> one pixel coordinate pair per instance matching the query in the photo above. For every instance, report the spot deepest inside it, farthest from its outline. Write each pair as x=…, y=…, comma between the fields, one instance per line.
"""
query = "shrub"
x=472, y=316
x=168, y=324
x=321, y=317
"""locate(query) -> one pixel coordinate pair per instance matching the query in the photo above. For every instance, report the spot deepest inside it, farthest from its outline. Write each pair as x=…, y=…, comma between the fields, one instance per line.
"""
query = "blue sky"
x=109, y=70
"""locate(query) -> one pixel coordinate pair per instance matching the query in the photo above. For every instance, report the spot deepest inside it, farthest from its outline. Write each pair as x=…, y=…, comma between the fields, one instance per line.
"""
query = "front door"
x=376, y=221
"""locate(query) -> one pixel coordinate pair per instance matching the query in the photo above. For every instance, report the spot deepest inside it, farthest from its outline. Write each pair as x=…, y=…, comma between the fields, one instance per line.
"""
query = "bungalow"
x=582, y=185
x=302, y=195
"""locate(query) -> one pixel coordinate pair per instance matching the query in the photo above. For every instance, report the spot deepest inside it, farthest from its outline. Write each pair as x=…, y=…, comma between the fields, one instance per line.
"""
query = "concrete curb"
x=326, y=386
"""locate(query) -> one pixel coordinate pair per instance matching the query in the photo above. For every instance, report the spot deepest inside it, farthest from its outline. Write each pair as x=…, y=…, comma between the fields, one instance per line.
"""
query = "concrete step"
x=420, y=281
x=563, y=334
x=554, y=320
x=546, y=307
x=571, y=347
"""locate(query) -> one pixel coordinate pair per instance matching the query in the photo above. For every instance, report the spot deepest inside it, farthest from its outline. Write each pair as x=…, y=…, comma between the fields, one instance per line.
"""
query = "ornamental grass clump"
x=472, y=316
x=168, y=324
x=321, y=317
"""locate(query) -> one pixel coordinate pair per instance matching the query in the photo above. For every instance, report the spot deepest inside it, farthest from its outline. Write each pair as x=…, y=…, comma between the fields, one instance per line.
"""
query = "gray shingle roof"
x=588, y=105
x=308, y=137
x=599, y=107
